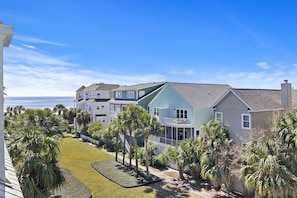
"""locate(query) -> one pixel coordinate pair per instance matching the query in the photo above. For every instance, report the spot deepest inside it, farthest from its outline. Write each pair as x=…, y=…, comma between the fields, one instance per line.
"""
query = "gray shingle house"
x=246, y=109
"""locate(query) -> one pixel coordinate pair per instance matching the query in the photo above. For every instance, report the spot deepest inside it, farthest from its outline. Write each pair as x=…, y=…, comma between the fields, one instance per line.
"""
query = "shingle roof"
x=200, y=95
x=81, y=88
x=264, y=99
x=138, y=86
x=100, y=86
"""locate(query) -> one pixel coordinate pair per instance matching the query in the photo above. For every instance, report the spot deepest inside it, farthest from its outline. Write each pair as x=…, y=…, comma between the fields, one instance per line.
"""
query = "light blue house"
x=182, y=108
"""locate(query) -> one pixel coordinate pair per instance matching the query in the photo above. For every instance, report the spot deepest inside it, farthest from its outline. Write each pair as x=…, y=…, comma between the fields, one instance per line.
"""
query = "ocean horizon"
x=38, y=102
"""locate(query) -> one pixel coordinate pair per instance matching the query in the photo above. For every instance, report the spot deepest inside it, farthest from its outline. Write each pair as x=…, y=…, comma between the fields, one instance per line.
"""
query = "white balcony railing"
x=175, y=121
x=164, y=140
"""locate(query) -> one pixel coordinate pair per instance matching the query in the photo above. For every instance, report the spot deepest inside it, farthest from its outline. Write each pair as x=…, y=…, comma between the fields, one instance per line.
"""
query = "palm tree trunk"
x=181, y=173
x=136, y=157
x=130, y=153
x=124, y=150
x=117, y=148
x=146, y=157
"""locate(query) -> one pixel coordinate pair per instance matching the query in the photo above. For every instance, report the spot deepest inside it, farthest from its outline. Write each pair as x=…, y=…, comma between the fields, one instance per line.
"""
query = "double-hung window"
x=246, y=121
x=156, y=111
x=219, y=117
x=181, y=113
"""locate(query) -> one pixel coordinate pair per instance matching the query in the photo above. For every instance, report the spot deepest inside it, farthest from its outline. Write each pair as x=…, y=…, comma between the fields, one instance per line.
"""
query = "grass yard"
x=77, y=157
x=124, y=175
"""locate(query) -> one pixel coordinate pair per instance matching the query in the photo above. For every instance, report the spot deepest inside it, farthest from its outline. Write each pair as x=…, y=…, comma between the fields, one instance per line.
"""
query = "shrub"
x=159, y=161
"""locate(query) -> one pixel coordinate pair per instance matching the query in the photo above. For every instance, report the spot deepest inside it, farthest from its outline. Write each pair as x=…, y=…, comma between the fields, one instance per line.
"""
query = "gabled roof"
x=138, y=86
x=263, y=99
x=81, y=88
x=200, y=95
x=101, y=86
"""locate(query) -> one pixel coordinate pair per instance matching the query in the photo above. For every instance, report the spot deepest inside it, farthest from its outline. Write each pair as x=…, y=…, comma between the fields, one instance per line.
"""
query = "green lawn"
x=77, y=156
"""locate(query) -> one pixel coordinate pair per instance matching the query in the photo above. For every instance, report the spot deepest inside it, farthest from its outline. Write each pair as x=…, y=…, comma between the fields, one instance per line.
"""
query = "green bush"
x=141, y=155
x=159, y=161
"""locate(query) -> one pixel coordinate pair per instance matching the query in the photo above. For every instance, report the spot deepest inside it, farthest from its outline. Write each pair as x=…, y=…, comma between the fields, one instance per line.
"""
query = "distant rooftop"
x=138, y=86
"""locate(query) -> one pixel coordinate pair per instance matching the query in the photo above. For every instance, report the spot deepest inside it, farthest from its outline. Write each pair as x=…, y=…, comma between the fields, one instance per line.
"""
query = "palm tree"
x=130, y=119
x=9, y=111
x=71, y=115
x=217, y=154
x=34, y=153
x=60, y=108
x=266, y=171
x=192, y=153
x=18, y=109
x=82, y=119
x=123, y=131
x=150, y=126
x=117, y=128
x=176, y=154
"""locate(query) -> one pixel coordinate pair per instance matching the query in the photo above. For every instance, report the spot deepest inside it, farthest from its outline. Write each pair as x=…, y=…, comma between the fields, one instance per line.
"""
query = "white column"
x=2, y=163
x=6, y=33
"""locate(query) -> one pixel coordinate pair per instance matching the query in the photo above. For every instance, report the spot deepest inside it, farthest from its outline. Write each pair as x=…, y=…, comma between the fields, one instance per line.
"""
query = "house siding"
x=202, y=116
x=262, y=119
x=233, y=108
x=169, y=99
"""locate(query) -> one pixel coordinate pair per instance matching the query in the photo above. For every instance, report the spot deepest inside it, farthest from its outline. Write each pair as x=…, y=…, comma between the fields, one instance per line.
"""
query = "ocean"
x=38, y=102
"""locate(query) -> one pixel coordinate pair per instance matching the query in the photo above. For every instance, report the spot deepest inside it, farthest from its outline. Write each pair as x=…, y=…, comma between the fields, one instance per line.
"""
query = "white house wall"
x=99, y=108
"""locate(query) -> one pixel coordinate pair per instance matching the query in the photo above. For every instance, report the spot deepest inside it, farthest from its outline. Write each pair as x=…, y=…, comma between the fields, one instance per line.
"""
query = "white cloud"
x=29, y=72
x=29, y=46
x=17, y=54
x=36, y=40
x=261, y=80
x=263, y=65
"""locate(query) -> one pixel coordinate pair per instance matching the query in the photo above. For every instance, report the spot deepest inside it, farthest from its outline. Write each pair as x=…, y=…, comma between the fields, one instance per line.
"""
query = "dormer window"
x=130, y=94
x=118, y=94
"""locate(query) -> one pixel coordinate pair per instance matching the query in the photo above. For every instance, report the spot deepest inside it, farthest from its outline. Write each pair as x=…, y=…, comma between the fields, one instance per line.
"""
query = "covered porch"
x=173, y=135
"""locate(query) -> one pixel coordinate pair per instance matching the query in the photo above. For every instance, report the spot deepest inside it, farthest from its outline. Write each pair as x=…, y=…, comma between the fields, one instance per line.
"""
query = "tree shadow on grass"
x=167, y=190
x=123, y=175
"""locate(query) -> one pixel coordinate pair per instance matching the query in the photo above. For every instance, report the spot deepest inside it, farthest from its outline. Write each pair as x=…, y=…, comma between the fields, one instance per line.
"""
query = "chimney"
x=286, y=91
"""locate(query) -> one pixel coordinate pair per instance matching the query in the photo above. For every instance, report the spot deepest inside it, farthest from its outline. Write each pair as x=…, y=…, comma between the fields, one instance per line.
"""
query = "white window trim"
x=156, y=111
x=182, y=113
x=216, y=117
x=242, y=125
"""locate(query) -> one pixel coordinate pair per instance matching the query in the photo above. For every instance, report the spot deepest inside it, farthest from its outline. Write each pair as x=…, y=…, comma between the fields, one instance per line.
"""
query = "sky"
x=58, y=46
